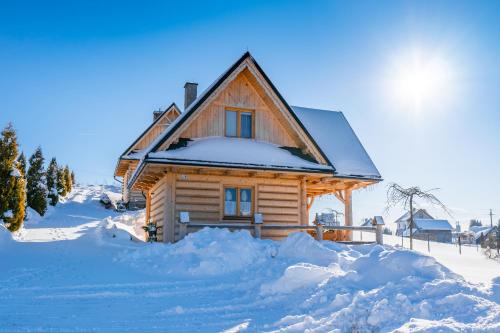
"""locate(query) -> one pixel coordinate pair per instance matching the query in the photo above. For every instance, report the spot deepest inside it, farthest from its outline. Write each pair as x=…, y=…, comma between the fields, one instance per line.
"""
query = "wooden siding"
x=279, y=201
x=157, y=205
x=156, y=130
x=240, y=94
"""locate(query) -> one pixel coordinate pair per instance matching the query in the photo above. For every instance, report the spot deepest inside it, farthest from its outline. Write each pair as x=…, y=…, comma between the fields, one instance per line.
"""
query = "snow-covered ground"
x=77, y=270
x=471, y=264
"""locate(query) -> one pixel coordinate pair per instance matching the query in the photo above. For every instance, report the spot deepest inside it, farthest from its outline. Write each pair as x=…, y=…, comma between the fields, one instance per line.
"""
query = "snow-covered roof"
x=430, y=224
x=406, y=216
x=379, y=220
x=335, y=137
x=329, y=131
x=135, y=155
x=128, y=152
x=479, y=231
x=226, y=151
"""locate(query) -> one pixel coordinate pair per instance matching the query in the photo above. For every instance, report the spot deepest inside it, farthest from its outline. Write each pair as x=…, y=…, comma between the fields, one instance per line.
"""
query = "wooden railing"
x=258, y=227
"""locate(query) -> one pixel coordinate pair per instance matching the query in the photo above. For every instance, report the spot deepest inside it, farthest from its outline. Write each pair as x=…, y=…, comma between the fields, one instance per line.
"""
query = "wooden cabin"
x=239, y=149
x=129, y=159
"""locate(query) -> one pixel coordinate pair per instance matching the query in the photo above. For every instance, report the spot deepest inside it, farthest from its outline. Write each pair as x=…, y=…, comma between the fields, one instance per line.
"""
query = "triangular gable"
x=246, y=62
x=167, y=117
x=416, y=212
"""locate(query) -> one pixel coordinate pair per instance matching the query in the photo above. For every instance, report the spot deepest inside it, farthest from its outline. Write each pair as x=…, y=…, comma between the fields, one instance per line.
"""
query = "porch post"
x=348, y=211
x=148, y=206
x=304, y=211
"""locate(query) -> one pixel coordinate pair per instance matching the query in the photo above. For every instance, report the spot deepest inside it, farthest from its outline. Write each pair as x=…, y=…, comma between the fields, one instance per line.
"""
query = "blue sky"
x=81, y=79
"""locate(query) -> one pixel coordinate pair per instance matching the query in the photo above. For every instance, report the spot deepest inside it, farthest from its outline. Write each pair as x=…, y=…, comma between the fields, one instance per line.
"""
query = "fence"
x=258, y=227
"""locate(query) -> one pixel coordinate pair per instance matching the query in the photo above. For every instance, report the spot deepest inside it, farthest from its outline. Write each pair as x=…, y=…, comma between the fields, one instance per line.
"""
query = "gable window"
x=239, y=123
x=238, y=202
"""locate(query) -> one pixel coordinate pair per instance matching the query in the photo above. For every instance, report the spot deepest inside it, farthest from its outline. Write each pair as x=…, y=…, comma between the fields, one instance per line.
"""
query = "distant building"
x=425, y=227
x=403, y=222
x=329, y=219
x=485, y=236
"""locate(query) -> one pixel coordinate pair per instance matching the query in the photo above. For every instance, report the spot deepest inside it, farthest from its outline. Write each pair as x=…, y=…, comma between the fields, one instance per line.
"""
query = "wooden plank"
x=196, y=185
x=277, y=203
x=201, y=216
x=282, y=218
x=279, y=210
x=198, y=193
x=278, y=189
x=277, y=196
x=196, y=208
x=197, y=200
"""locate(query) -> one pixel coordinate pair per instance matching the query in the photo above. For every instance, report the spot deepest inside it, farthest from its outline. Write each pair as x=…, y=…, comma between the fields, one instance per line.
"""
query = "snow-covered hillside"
x=76, y=270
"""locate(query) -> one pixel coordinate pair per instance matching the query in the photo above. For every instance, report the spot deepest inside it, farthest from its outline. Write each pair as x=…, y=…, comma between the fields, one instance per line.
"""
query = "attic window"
x=239, y=123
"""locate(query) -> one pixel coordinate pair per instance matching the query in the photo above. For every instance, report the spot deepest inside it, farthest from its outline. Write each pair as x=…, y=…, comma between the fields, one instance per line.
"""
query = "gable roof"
x=212, y=88
x=406, y=216
x=307, y=125
x=172, y=107
x=431, y=224
x=332, y=132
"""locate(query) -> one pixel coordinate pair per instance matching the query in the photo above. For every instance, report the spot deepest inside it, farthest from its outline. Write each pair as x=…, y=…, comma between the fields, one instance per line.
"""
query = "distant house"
x=129, y=159
x=425, y=227
x=239, y=149
x=484, y=235
x=404, y=221
x=376, y=220
x=329, y=219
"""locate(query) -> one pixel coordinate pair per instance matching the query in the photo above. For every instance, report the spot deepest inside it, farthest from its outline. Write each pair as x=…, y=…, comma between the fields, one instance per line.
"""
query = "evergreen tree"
x=61, y=182
x=12, y=188
x=67, y=179
x=72, y=178
x=36, y=183
x=475, y=223
x=21, y=164
x=53, y=193
x=21, y=160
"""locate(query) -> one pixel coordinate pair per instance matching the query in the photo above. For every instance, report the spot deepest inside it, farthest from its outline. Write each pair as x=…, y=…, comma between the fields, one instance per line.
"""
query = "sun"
x=419, y=80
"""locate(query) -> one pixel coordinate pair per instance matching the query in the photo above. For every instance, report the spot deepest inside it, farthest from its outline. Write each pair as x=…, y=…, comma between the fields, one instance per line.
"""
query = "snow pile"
x=132, y=223
x=5, y=236
x=209, y=252
x=109, y=229
x=32, y=216
x=326, y=286
x=384, y=290
x=302, y=247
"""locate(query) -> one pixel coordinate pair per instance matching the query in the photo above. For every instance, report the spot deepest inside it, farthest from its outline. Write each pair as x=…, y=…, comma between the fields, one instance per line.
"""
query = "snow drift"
x=78, y=270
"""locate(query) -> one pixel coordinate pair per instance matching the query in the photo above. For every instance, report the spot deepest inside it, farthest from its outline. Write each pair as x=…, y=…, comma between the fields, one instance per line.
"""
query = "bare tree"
x=398, y=195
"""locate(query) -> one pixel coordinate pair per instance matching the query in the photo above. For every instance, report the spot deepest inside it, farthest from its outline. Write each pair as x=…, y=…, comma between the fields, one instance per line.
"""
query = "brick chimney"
x=190, y=93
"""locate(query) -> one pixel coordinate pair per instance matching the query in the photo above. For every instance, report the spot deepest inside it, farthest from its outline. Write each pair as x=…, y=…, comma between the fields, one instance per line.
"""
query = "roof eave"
x=127, y=151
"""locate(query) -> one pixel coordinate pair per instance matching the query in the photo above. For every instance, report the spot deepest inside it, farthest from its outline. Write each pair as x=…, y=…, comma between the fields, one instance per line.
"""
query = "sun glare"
x=419, y=81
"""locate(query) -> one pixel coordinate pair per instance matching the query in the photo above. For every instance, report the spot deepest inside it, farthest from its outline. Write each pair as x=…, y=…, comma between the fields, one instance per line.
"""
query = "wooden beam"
x=348, y=211
x=310, y=202
x=340, y=196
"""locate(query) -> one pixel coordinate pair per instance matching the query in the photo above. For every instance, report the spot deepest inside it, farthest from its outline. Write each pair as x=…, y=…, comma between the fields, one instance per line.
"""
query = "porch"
x=283, y=198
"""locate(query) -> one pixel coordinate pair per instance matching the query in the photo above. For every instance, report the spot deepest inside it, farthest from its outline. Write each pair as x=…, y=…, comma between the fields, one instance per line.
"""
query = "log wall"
x=279, y=200
x=157, y=205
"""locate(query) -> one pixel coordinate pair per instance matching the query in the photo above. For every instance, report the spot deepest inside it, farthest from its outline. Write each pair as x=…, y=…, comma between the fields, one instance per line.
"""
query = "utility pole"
x=491, y=218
